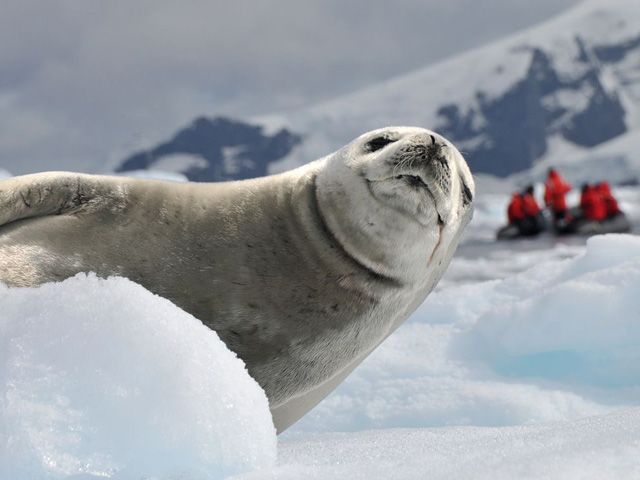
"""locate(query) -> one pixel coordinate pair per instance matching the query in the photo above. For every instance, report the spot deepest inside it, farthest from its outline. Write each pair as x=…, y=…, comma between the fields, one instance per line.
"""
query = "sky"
x=83, y=84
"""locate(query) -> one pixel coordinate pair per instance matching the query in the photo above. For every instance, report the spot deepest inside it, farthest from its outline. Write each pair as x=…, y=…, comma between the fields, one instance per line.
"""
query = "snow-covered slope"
x=571, y=83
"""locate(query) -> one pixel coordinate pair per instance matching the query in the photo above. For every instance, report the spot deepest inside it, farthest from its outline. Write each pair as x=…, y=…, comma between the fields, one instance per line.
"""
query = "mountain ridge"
x=571, y=83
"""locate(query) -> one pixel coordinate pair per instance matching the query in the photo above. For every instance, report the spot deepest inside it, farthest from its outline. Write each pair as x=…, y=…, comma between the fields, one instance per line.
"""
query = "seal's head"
x=412, y=193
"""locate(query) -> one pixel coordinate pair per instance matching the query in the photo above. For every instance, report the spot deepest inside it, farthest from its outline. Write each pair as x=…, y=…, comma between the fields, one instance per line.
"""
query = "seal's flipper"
x=53, y=193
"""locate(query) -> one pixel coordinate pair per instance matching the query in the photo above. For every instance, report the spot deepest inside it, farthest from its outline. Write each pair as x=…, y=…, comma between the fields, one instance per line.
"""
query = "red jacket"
x=555, y=188
x=515, y=211
x=610, y=203
x=592, y=205
x=531, y=208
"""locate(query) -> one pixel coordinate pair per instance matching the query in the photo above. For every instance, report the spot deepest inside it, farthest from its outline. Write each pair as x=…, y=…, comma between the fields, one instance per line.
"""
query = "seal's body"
x=301, y=274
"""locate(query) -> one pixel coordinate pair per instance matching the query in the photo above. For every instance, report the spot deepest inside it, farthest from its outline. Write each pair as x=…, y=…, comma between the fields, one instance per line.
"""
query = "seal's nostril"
x=433, y=140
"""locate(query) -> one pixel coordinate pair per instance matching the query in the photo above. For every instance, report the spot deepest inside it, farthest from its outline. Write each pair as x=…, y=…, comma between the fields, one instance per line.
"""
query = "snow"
x=599, y=448
x=569, y=100
x=179, y=163
x=555, y=324
x=233, y=161
x=470, y=267
x=153, y=174
x=486, y=184
x=616, y=161
x=100, y=378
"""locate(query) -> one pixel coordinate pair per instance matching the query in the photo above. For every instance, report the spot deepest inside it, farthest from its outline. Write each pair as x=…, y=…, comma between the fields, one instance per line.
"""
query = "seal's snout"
x=436, y=149
x=427, y=148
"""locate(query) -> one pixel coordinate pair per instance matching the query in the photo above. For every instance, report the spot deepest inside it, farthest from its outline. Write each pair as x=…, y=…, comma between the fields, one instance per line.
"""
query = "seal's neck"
x=343, y=247
x=377, y=237
x=318, y=234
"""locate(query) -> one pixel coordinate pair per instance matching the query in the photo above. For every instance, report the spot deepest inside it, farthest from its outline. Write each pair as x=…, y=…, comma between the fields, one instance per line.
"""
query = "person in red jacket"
x=555, y=189
x=532, y=223
x=531, y=208
x=610, y=203
x=592, y=205
x=515, y=211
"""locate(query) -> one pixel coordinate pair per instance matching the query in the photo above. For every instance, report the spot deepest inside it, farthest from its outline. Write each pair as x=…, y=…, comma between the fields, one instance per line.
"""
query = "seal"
x=302, y=274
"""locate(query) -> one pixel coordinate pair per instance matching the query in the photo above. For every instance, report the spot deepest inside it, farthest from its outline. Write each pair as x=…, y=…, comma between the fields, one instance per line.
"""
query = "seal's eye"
x=467, y=196
x=378, y=143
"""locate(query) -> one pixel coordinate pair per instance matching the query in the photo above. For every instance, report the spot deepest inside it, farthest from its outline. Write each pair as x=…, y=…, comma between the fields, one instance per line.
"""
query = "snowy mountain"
x=617, y=161
x=215, y=149
x=570, y=84
x=561, y=88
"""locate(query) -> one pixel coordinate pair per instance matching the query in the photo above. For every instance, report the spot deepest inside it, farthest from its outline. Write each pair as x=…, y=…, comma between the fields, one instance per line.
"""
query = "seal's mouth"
x=418, y=182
